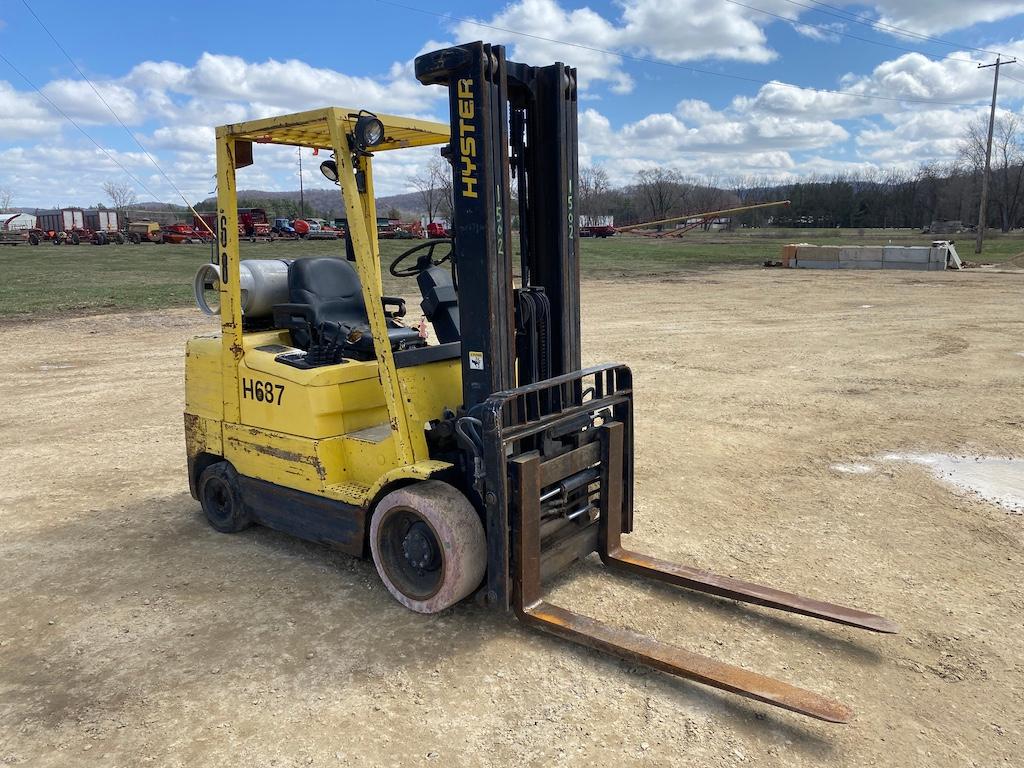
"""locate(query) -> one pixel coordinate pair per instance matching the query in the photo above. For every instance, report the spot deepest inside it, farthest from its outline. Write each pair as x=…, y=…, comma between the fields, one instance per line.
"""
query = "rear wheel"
x=428, y=545
x=135, y=238
x=221, y=498
x=75, y=239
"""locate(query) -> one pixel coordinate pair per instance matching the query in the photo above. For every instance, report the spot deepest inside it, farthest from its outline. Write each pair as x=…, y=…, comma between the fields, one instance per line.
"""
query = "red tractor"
x=436, y=230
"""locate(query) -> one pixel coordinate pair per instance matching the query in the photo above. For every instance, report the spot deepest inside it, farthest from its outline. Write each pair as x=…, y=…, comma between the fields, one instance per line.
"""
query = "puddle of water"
x=866, y=306
x=55, y=366
x=1000, y=481
x=853, y=469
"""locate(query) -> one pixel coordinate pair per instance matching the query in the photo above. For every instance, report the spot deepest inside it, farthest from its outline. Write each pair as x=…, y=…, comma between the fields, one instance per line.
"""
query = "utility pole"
x=983, y=212
x=302, y=199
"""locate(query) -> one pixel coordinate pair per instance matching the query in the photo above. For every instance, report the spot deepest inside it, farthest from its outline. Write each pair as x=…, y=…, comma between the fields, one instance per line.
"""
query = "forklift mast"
x=549, y=445
x=511, y=121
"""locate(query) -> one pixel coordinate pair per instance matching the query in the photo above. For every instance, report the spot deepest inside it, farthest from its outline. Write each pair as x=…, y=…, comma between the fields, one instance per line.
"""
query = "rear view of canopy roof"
x=310, y=129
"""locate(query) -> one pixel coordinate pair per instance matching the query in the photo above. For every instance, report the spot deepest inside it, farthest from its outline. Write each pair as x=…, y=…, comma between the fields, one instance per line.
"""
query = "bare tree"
x=432, y=188
x=1007, y=169
x=447, y=187
x=661, y=191
x=121, y=194
x=6, y=198
x=593, y=186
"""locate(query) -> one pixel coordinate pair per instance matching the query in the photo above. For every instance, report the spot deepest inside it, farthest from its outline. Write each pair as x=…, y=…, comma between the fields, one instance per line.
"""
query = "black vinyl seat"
x=327, y=307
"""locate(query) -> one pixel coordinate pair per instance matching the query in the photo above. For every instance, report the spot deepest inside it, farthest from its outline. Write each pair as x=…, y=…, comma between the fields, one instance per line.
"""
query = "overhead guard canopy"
x=310, y=129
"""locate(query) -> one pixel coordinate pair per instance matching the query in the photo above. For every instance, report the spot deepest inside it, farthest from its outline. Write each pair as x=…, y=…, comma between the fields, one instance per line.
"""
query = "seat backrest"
x=440, y=303
x=331, y=287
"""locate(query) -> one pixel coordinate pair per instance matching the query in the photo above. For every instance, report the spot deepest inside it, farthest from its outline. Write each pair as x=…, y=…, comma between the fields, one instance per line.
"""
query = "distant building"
x=14, y=221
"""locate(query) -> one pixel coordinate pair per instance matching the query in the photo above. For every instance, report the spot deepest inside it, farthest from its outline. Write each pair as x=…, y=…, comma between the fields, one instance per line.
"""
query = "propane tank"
x=263, y=283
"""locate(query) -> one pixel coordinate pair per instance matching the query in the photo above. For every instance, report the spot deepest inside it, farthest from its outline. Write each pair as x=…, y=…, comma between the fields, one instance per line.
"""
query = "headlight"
x=329, y=168
x=369, y=131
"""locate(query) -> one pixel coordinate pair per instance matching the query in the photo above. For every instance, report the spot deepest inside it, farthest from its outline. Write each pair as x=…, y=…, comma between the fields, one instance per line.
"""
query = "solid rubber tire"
x=458, y=530
x=233, y=517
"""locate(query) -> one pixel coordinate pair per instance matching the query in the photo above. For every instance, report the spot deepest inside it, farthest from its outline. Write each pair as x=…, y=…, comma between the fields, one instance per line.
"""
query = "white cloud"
x=905, y=139
x=547, y=19
x=36, y=173
x=910, y=76
x=79, y=100
x=936, y=16
x=689, y=30
x=826, y=33
x=780, y=130
x=700, y=140
x=22, y=115
x=669, y=30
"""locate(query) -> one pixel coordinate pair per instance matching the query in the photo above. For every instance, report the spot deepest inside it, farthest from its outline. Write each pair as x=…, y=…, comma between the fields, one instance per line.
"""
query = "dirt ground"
x=133, y=634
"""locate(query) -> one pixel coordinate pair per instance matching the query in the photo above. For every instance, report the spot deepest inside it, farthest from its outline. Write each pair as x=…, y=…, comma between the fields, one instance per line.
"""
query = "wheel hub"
x=420, y=548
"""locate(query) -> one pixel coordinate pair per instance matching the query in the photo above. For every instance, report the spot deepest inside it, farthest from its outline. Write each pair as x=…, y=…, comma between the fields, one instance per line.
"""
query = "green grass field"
x=47, y=279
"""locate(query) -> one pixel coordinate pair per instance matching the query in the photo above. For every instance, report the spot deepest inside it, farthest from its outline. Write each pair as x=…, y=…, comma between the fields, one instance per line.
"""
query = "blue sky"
x=173, y=74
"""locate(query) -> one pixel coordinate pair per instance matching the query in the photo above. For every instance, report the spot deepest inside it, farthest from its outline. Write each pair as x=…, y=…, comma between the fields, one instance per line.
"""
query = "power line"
x=68, y=117
x=112, y=112
x=795, y=23
x=983, y=209
x=839, y=13
x=696, y=70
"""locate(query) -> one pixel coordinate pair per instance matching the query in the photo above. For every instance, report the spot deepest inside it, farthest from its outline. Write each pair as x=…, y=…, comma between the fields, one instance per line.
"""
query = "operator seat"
x=328, y=295
x=440, y=303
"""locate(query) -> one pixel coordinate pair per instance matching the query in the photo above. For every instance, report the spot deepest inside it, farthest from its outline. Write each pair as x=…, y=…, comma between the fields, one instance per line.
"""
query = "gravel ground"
x=133, y=634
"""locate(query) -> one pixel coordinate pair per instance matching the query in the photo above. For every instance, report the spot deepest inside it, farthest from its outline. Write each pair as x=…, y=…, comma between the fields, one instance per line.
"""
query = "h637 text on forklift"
x=484, y=463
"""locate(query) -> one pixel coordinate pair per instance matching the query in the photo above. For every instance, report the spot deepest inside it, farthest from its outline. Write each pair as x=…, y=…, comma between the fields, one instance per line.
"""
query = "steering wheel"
x=424, y=261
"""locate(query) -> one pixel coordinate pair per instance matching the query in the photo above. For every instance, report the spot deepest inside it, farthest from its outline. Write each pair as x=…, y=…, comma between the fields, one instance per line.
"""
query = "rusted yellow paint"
x=312, y=129
x=342, y=431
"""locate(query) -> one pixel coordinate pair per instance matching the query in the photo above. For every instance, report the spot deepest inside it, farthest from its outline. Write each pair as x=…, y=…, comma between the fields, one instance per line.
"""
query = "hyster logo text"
x=467, y=142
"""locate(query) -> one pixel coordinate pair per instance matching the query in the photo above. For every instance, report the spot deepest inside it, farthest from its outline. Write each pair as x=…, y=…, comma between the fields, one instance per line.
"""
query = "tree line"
x=894, y=198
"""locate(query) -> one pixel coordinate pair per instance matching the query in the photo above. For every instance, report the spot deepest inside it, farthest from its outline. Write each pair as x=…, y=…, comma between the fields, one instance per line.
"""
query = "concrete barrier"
x=911, y=257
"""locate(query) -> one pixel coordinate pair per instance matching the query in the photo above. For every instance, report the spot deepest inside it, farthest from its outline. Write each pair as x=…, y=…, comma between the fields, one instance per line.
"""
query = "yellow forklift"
x=483, y=461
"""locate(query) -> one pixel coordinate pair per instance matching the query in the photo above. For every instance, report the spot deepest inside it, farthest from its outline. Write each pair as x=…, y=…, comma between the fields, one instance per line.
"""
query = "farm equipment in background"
x=436, y=231
x=486, y=463
x=61, y=226
x=253, y=223
x=387, y=229
x=597, y=226
x=692, y=221
x=282, y=228
x=103, y=226
x=145, y=232
x=313, y=229
x=9, y=236
x=184, y=233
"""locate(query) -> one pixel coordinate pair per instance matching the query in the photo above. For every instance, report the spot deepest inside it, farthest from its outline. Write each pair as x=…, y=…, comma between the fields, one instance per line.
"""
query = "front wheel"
x=222, y=499
x=428, y=545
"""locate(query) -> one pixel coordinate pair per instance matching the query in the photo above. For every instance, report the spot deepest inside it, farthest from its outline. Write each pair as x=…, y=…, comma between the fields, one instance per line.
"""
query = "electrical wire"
x=796, y=24
x=696, y=70
x=71, y=120
x=118, y=119
x=839, y=13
